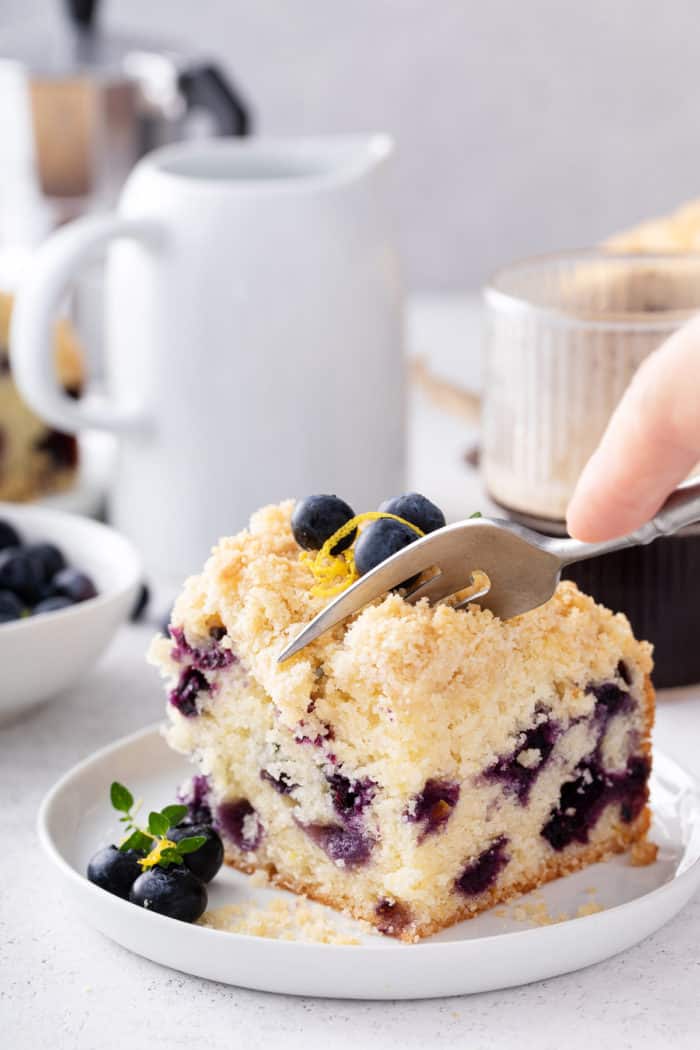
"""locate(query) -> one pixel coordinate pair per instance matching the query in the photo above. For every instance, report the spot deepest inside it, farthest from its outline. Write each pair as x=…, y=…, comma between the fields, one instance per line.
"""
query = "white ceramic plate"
x=487, y=953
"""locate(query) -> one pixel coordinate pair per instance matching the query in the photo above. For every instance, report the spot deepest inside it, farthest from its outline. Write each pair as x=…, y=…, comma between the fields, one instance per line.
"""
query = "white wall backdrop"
x=523, y=125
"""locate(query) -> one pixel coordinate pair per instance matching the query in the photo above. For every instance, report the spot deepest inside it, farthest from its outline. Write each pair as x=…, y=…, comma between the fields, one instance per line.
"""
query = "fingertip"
x=600, y=508
x=585, y=518
x=583, y=525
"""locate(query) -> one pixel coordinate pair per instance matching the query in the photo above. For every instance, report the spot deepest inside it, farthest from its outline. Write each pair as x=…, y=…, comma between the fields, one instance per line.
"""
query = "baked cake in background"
x=36, y=459
x=677, y=232
x=416, y=764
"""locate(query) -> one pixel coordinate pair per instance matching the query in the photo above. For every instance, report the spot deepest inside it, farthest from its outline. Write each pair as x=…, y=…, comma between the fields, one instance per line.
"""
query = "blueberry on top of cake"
x=417, y=763
x=34, y=457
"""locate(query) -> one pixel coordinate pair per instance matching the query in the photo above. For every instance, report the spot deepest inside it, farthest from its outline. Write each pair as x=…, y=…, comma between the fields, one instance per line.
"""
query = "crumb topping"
x=389, y=674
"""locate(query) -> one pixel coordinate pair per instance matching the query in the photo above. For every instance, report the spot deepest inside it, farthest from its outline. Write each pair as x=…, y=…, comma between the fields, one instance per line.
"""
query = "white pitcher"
x=253, y=336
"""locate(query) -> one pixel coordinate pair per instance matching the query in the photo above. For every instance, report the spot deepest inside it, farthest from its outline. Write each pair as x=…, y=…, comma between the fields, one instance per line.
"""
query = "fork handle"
x=680, y=509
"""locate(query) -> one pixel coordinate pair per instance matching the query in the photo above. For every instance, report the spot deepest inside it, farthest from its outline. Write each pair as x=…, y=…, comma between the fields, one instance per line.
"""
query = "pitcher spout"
x=273, y=164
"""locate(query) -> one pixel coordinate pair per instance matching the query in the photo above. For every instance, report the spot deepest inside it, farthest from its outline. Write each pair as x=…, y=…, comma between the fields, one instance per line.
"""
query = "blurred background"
x=523, y=127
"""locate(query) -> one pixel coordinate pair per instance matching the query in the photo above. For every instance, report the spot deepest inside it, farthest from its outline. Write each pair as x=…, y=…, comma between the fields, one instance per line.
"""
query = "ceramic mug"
x=564, y=336
x=253, y=336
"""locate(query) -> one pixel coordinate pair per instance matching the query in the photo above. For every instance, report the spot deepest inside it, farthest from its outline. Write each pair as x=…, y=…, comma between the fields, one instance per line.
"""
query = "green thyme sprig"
x=152, y=840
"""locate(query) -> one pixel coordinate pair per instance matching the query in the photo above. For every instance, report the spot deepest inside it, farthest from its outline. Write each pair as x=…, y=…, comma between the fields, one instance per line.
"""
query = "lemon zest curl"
x=334, y=573
x=153, y=857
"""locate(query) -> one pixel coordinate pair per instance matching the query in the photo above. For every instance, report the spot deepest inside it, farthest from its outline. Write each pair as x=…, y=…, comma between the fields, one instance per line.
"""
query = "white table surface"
x=64, y=986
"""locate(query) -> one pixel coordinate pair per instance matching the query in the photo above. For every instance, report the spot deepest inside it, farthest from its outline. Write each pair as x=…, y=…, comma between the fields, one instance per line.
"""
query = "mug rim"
x=303, y=162
x=634, y=320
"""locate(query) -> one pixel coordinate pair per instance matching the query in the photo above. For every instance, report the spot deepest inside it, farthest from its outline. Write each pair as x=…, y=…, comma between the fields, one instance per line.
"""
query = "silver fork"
x=523, y=567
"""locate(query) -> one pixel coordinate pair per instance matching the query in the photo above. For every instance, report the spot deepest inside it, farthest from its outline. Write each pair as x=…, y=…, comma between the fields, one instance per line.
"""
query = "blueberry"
x=74, y=585
x=49, y=558
x=433, y=806
x=206, y=861
x=417, y=509
x=348, y=844
x=350, y=796
x=315, y=520
x=482, y=871
x=114, y=870
x=62, y=449
x=52, y=604
x=165, y=623
x=172, y=891
x=196, y=798
x=240, y=823
x=11, y=607
x=9, y=537
x=141, y=603
x=379, y=541
x=20, y=573
x=184, y=696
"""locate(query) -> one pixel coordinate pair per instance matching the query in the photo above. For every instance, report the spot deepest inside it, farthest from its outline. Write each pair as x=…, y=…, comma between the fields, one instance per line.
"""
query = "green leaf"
x=136, y=840
x=174, y=814
x=191, y=844
x=476, y=514
x=169, y=856
x=120, y=797
x=158, y=824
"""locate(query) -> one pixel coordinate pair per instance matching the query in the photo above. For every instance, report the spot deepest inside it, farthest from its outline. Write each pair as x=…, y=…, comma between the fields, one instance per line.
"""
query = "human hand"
x=651, y=444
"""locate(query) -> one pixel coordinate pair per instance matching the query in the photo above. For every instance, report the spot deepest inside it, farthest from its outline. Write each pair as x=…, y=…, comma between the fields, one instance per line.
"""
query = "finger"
x=651, y=444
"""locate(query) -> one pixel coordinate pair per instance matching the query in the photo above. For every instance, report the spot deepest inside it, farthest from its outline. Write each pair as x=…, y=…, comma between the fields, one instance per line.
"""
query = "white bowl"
x=43, y=655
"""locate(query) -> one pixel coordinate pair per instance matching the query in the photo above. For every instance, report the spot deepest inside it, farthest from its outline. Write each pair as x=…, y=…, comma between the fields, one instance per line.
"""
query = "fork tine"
x=522, y=566
x=374, y=584
x=437, y=587
x=475, y=597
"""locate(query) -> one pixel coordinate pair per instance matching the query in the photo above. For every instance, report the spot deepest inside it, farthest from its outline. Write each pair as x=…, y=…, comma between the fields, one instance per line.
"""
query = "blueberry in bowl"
x=50, y=558
x=74, y=585
x=66, y=585
x=21, y=574
x=38, y=576
x=9, y=537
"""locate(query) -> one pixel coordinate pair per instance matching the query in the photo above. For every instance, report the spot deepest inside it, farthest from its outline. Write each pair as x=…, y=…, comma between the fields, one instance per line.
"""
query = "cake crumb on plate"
x=643, y=853
x=283, y=920
x=537, y=912
x=590, y=908
x=260, y=879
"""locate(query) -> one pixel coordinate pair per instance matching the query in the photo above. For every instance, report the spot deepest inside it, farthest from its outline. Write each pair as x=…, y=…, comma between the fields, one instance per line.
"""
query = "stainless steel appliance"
x=98, y=102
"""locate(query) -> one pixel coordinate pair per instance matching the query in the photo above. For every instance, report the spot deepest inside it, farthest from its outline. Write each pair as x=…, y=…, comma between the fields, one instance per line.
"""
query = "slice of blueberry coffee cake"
x=34, y=457
x=417, y=764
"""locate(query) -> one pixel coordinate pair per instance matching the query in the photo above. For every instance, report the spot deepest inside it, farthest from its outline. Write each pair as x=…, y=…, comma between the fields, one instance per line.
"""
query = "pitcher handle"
x=38, y=301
